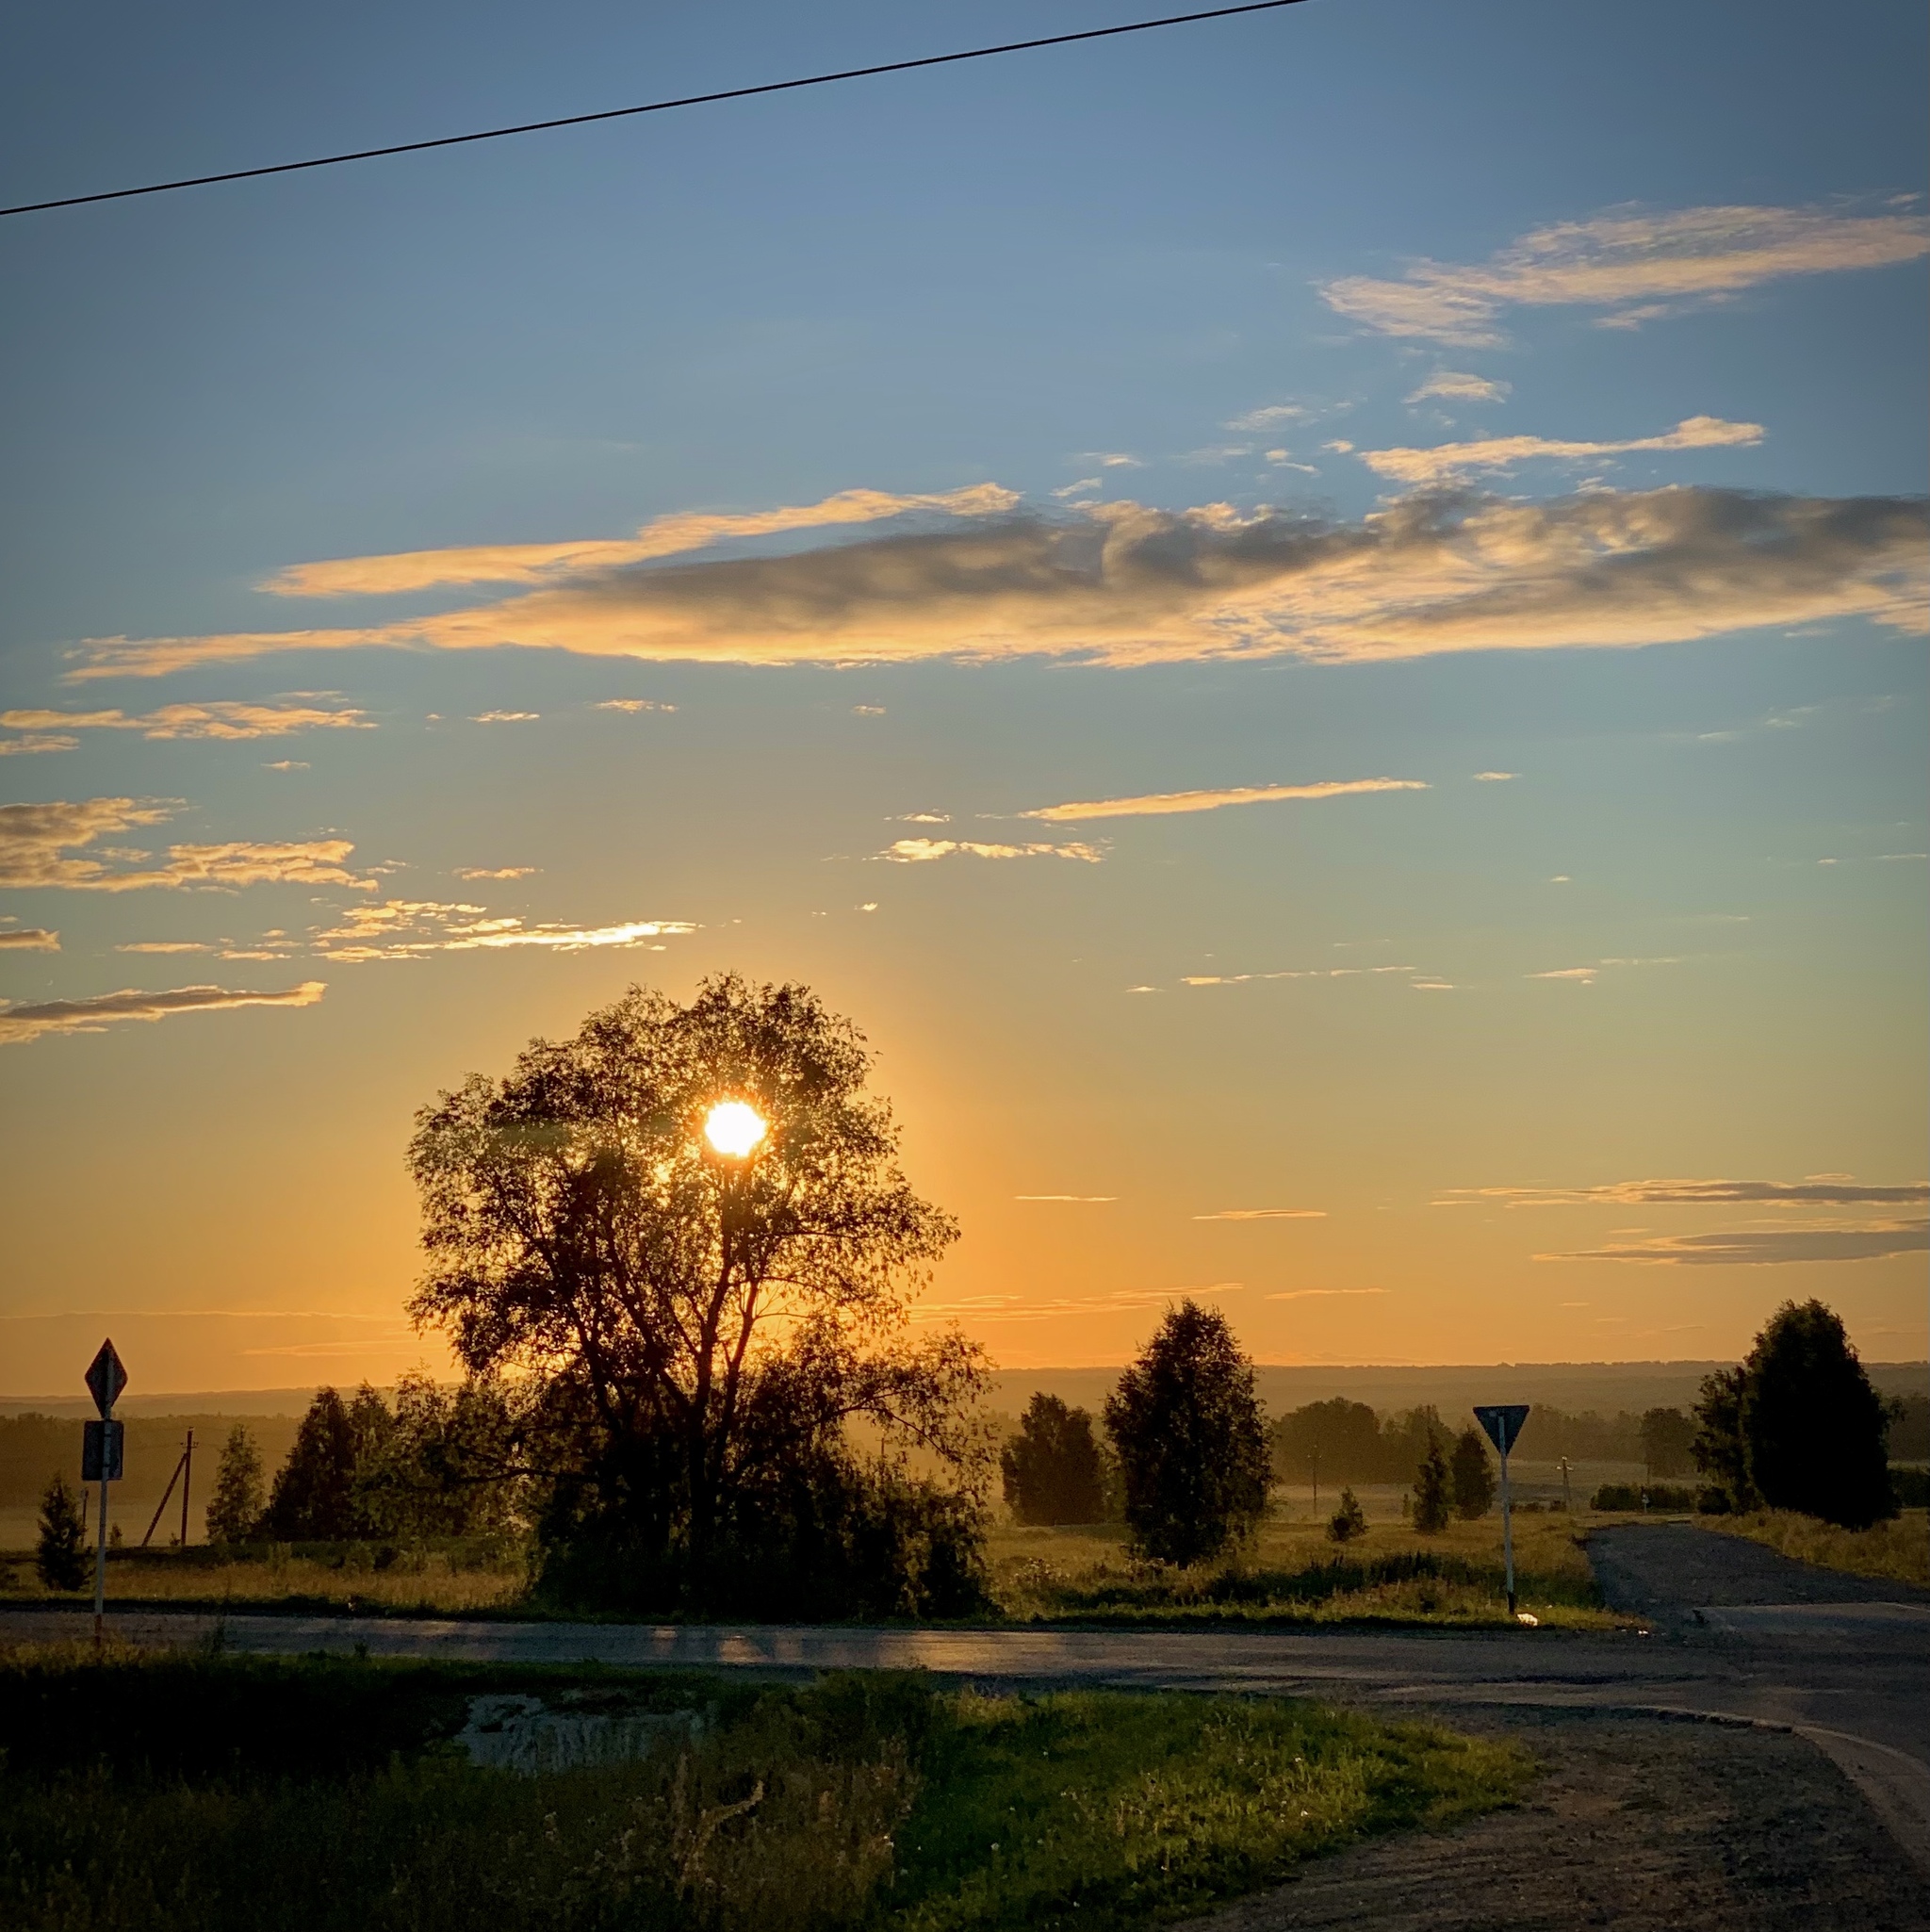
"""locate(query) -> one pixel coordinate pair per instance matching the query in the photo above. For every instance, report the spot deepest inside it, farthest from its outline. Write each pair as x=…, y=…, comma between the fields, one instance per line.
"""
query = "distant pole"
x=186, y=1477
x=1567, y=1501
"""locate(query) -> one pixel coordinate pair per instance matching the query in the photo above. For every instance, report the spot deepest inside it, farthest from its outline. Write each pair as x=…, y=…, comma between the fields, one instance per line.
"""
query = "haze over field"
x=1314, y=622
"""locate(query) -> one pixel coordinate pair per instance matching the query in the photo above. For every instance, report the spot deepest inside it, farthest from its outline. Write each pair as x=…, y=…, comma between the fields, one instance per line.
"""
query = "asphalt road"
x=1738, y=1634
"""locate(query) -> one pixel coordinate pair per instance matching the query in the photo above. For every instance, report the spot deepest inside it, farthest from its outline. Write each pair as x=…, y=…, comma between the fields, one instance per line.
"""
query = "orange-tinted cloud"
x=21, y=1023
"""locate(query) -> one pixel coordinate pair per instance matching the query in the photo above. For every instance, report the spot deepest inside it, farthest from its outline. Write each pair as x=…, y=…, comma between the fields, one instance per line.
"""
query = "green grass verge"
x=211, y=1794
x=1897, y=1551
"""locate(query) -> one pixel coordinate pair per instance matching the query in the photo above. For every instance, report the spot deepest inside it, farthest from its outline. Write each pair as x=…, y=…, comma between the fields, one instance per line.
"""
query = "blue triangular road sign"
x=1502, y=1420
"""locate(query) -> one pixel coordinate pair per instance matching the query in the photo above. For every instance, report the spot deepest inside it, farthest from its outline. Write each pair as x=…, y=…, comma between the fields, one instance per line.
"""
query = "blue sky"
x=1254, y=277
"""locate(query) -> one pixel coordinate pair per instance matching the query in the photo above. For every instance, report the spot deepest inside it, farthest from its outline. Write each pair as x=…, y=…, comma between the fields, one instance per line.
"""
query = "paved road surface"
x=1741, y=1633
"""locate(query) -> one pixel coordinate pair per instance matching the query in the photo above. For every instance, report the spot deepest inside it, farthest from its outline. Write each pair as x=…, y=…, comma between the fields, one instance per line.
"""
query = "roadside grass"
x=439, y=1581
x=1293, y=1574
x=1897, y=1551
x=202, y=1794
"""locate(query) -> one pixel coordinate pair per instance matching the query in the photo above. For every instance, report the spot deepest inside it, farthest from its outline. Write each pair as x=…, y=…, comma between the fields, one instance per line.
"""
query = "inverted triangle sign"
x=1502, y=1420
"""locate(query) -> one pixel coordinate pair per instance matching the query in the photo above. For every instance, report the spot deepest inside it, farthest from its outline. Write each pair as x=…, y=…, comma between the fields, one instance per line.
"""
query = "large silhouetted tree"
x=234, y=1510
x=696, y=1329
x=1191, y=1439
x=1473, y=1475
x=1814, y=1424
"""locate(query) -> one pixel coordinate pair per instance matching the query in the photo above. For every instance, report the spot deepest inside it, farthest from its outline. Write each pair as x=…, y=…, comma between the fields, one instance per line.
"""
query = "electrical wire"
x=770, y=87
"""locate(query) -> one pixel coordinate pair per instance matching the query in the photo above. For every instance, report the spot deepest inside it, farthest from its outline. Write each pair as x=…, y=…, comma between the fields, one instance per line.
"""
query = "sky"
x=1315, y=623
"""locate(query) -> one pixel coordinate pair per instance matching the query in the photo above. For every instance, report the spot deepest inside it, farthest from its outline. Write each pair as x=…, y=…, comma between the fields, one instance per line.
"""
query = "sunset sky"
x=1314, y=622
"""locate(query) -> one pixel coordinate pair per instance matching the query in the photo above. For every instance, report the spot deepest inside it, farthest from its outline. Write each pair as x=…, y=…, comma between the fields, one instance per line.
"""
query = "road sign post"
x=1502, y=1421
x=101, y=1457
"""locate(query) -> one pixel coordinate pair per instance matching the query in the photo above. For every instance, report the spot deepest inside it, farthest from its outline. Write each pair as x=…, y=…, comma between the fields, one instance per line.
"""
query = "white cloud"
x=505, y=717
x=413, y=929
x=1295, y=972
x=285, y=764
x=1266, y=1214
x=1494, y=778
x=667, y=536
x=631, y=704
x=867, y=711
x=225, y=721
x=1120, y=583
x=1275, y=416
x=1077, y=489
x=1451, y=460
x=1638, y=266
x=1764, y=1247
x=919, y=851
x=163, y=946
x=19, y=1024
x=496, y=871
x=29, y=938
x=1163, y=803
x=25, y=748
x=1454, y=385
x=37, y=843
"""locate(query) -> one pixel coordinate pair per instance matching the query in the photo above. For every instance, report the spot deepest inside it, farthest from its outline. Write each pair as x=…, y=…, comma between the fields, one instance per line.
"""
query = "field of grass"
x=178, y=1794
x=364, y=1576
x=1897, y=1551
x=1293, y=1573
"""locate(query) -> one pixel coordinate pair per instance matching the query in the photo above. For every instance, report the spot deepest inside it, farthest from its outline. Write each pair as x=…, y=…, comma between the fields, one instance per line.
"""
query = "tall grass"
x=1897, y=1551
x=214, y=1795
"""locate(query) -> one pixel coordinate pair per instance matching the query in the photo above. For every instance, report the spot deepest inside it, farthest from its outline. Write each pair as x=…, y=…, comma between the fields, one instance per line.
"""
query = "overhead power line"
x=769, y=87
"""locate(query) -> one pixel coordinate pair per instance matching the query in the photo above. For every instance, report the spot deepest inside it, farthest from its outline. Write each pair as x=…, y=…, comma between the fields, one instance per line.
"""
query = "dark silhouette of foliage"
x=1668, y=1442
x=313, y=1496
x=1432, y=1492
x=1053, y=1469
x=694, y=1332
x=1191, y=1439
x=1473, y=1475
x=1814, y=1424
x=234, y=1510
x=1337, y=1440
x=61, y=1555
x=1349, y=1521
x=1719, y=1449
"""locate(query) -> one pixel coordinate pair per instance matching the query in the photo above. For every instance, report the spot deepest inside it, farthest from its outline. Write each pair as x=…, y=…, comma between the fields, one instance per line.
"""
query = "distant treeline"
x=33, y=1446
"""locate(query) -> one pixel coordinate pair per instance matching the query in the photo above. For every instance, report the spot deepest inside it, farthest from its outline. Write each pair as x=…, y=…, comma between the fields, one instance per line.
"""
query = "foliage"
x=1473, y=1476
x=61, y=1555
x=1349, y=1521
x=235, y=1506
x=1432, y=1493
x=314, y=1494
x=1814, y=1425
x=1798, y=1426
x=1347, y=1442
x=1645, y=1496
x=1668, y=1442
x=1053, y=1469
x=694, y=1332
x=1895, y=1551
x=314, y=1797
x=1909, y=1428
x=1191, y=1439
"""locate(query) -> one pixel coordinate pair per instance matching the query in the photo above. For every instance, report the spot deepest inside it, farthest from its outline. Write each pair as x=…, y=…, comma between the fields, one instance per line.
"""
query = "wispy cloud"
x=223, y=720
x=1494, y=778
x=1086, y=1200
x=1120, y=583
x=413, y=929
x=474, y=872
x=979, y=1309
x=1313, y=1293
x=1834, y=1190
x=1638, y=266
x=1454, y=385
x=1763, y=1247
x=631, y=704
x=19, y=1024
x=39, y=741
x=918, y=851
x=1162, y=804
x=505, y=717
x=29, y=938
x=1586, y=976
x=1266, y=1214
x=667, y=536
x=1452, y=460
x=1077, y=489
x=1274, y=416
x=1294, y=972
x=163, y=946
x=38, y=844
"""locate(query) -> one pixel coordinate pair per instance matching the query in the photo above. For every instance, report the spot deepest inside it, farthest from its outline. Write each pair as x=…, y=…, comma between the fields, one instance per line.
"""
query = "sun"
x=733, y=1128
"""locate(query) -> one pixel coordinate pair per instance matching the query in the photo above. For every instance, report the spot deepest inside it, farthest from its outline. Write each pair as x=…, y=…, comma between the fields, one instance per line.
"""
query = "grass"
x=1292, y=1574
x=179, y=1793
x=1897, y=1551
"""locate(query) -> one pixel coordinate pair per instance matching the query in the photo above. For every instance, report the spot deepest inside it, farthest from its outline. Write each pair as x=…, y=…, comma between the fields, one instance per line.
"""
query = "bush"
x=235, y=1508
x=1912, y=1487
x=1191, y=1439
x=1474, y=1476
x=1814, y=1426
x=1349, y=1520
x=60, y=1557
x=1651, y=1496
x=1431, y=1493
x=1052, y=1469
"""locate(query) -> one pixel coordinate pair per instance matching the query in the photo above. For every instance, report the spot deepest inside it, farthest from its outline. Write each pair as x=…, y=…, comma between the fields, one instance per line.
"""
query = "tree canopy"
x=1053, y=1469
x=696, y=1327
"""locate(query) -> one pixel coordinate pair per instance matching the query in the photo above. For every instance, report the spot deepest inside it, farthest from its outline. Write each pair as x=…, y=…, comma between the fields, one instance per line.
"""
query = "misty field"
x=178, y=1794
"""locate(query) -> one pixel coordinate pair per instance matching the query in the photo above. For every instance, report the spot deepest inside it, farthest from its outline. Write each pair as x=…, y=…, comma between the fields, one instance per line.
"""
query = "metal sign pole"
x=1508, y=1531
x=1502, y=1421
x=105, y=1378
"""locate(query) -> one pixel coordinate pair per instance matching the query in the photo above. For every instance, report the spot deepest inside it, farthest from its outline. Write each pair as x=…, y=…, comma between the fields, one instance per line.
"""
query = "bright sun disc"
x=733, y=1128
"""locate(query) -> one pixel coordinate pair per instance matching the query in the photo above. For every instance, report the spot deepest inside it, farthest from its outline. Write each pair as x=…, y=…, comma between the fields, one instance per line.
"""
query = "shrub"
x=1191, y=1439
x=1652, y=1496
x=1814, y=1424
x=1474, y=1476
x=1052, y=1469
x=235, y=1508
x=1431, y=1491
x=1349, y=1521
x=60, y=1556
